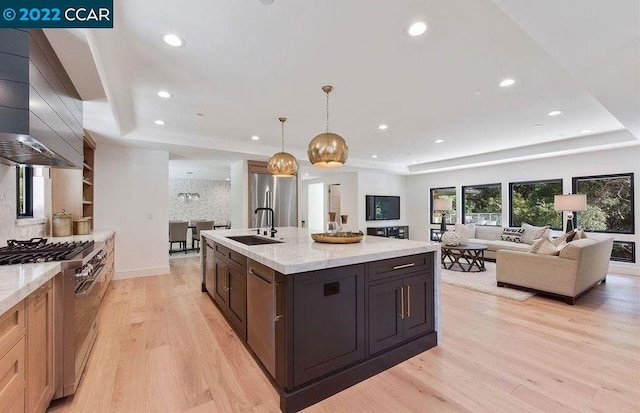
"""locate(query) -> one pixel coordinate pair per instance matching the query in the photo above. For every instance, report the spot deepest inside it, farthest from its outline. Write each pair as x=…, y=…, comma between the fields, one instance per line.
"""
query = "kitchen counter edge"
x=18, y=281
x=299, y=253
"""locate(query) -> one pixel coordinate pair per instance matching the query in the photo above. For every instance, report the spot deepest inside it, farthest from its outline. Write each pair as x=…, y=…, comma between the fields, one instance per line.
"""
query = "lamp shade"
x=570, y=202
x=442, y=204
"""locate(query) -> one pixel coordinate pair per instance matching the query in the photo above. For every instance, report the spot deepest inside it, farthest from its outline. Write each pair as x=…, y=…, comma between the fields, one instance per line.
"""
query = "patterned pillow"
x=546, y=247
x=532, y=233
x=512, y=234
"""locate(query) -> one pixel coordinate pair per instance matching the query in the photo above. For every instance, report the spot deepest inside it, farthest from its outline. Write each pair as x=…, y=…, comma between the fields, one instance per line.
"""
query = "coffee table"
x=472, y=256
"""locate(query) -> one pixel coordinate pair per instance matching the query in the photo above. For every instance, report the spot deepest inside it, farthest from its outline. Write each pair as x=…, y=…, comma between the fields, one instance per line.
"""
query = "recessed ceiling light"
x=537, y=125
x=554, y=113
x=199, y=114
x=164, y=94
x=188, y=172
x=414, y=162
x=227, y=179
x=382, y=127
x=306, y=174
x=586, y=131
x=438, y=141
x=507, y=82
x=477, y=93
x=159, y=122
x=173, y=40
x=418, y=28
x=374, y=156
x=255, y=138
x=561, y=135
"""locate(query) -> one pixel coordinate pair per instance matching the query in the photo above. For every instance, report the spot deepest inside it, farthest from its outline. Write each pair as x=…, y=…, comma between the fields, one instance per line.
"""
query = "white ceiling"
x=246, y=63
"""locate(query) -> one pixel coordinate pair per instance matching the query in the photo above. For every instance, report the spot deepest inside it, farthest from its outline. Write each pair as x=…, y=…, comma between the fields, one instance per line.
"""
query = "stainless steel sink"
x=253, y=240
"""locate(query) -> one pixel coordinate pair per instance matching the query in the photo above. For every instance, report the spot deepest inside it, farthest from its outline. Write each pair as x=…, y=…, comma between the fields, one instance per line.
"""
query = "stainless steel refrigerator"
x=281, y=194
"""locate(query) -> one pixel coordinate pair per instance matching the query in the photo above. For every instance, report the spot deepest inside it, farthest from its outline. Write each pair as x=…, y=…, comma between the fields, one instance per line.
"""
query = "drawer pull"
x=399, y=267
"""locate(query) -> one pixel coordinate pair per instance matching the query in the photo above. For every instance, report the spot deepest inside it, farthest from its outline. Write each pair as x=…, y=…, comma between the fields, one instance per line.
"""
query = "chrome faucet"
x=272, y=230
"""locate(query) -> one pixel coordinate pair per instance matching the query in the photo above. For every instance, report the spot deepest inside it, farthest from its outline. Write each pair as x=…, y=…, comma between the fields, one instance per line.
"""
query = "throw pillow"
x=512, y=234
x=532, y=233
x=545, y=246
x=465, y=231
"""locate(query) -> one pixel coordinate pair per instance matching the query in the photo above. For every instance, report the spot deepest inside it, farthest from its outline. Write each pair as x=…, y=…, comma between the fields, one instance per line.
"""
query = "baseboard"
x=146, y=272
x=625, y=268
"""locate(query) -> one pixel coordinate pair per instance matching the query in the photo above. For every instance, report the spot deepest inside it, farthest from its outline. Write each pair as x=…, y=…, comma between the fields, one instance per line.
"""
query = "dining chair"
x=200, y=226
x=178, y=233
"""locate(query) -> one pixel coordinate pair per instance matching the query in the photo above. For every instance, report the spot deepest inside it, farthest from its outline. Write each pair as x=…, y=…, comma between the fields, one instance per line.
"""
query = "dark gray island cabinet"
x=329, y=328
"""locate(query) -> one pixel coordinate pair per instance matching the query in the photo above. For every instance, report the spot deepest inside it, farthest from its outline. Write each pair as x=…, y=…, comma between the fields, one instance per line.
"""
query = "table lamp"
x=443, y=205
x=570, y=203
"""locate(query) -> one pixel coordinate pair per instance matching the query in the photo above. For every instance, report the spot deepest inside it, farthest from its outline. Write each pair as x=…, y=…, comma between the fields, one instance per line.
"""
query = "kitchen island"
x=323, y=317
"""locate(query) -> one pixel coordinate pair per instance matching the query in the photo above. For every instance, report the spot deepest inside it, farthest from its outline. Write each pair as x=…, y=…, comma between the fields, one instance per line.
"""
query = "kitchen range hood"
x=40, y=109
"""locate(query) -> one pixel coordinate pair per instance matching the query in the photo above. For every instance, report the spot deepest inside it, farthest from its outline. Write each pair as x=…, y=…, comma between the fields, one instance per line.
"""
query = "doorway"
x=334, y=200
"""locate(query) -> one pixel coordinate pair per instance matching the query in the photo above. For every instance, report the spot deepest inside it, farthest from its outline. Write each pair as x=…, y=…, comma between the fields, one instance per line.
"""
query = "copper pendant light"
x=328, y=150
x=283, y=164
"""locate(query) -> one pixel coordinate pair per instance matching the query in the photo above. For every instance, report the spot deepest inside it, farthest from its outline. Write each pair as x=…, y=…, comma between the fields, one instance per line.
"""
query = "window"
x=24, y=191
x=609, y=203
x=448, y=193
x=624, y=251
x=482, y=204
x=532, y=202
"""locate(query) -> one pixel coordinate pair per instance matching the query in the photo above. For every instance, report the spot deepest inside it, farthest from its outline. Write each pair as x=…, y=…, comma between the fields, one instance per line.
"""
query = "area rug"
x=484, y=282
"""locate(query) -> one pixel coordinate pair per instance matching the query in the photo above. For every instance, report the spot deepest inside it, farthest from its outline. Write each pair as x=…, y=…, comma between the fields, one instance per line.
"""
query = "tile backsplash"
x=9, y=227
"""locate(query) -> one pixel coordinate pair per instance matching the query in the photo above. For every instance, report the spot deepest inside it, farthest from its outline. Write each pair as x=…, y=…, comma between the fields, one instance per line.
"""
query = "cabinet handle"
x=277, y=297
x=226, y=279
x=408, y=301
x=399, y=267
x=402, y=303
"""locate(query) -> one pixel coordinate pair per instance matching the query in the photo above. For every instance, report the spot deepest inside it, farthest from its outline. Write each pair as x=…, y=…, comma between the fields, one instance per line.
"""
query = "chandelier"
x=188, y=196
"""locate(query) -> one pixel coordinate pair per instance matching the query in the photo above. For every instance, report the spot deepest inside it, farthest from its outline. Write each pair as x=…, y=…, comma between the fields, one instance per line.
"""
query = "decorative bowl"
x=338, y=238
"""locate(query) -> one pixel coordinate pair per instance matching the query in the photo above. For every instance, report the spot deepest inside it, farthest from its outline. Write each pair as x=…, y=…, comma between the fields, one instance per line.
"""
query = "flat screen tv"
x=382, y=207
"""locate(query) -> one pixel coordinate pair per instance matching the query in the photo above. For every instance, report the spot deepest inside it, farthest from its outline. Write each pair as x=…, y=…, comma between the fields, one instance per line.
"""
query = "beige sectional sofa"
x=580, y=265
x=490, y=236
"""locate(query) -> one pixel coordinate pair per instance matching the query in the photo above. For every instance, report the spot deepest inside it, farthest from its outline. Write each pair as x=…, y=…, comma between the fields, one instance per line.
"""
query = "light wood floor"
x=164, y=347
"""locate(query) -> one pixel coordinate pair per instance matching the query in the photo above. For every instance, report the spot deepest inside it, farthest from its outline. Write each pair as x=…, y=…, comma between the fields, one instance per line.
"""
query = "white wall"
x=239, y=195
x=381, y=184
x=315, y=203
x=622, y=160
x=348, y=197
x=131, y=197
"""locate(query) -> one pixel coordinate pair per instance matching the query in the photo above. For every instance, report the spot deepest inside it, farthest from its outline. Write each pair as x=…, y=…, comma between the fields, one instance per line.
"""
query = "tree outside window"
x=609, y=203
x=532, y=202
x=448, y=193
x=24, y=191
x=482, y=204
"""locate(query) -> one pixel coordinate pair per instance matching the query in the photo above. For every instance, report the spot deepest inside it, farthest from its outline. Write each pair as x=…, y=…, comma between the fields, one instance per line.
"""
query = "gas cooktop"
x=38, y=250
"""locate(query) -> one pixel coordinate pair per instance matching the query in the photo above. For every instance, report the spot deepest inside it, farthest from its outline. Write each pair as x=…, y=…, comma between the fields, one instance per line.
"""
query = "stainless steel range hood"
x=40, y=109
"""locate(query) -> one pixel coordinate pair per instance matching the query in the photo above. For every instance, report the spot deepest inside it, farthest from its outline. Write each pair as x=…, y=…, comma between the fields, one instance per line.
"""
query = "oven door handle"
x=87, y=290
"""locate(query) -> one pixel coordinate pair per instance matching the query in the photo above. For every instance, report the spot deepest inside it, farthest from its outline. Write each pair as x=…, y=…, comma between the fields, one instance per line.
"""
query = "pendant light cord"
x=282, y=136
x=327, y=112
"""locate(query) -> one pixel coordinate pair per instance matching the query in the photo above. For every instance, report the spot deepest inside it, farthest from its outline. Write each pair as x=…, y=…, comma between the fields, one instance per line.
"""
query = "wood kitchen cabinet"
x=400, y=301
x=39, y=363
x=328, y=329
x=12, y=359
x=226, y=282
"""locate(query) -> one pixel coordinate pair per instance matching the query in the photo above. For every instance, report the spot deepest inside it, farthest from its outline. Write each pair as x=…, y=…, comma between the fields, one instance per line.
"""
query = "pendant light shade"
x=328, y=150
x=283, y=164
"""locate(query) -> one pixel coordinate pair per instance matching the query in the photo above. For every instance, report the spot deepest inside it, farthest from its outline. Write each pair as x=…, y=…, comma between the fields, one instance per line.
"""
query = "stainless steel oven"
x=78, y=296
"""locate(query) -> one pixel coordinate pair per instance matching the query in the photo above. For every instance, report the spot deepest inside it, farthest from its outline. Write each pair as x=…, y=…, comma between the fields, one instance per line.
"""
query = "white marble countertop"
x=299, y=253
x=18, y=281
